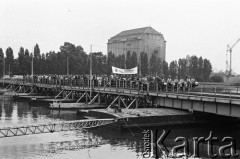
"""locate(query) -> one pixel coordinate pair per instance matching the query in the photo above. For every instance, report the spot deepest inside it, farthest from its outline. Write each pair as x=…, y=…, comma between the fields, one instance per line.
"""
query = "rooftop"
x=133, y=34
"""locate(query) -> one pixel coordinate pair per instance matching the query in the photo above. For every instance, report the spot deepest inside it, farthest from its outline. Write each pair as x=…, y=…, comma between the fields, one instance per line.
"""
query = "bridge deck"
x=213, y=100
x=136, y=92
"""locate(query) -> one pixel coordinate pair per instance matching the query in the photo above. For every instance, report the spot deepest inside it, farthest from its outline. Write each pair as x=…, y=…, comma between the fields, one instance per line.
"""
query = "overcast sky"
x=190, y=27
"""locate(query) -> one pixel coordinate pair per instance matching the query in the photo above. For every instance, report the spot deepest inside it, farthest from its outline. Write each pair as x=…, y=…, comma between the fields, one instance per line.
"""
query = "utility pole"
x=90, y=77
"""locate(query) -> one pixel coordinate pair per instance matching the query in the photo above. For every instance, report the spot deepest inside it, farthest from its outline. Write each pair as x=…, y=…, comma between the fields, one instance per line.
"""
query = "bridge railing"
x=131, y=85
x=218, y=89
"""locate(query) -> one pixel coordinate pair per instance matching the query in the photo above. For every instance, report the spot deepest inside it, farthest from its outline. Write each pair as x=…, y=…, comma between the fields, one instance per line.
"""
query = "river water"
x=97, y=143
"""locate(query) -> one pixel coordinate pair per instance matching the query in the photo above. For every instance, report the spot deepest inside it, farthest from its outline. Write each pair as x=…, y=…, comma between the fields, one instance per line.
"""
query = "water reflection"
x=103, y=142
x=86, y=143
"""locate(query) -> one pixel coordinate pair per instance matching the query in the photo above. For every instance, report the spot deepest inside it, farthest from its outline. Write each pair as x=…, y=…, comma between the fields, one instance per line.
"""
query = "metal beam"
x=113, y=102
x=123, y=102
x=33, y=88
x=58, y=94
x=94, y=98
x=8, y=86
x=81, y=97
x=131, y=103
x=67, y=95
x=88, y=97
x=45, y=91
x=20, y=88
x=16, y=88
x=64, y=93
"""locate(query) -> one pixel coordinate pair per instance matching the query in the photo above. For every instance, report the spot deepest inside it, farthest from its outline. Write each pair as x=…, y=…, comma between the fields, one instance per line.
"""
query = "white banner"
x=125, y=71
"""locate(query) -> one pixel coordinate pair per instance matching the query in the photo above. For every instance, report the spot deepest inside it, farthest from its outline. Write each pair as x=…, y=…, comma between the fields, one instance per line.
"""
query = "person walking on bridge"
x=169, y=82
x=192, y=82
x=175, y=83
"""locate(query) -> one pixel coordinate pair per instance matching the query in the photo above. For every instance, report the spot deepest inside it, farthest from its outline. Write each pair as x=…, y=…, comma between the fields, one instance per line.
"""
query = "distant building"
x=138, y=40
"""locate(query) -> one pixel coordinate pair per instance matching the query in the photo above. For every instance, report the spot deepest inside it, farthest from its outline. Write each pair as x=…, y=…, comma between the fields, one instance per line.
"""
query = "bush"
x=216, y=78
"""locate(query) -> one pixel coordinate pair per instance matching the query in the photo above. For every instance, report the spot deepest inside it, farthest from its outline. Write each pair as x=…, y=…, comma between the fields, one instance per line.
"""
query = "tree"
x=153, y=64
x=61, y=65
x=43, y=65
x=99, y=62
x=173, y=67
x=81, y=59
x=193, y=68
x=77, y=58
x=104, y=60
x=207, y=66
x=1, y=62
x=159, y=66
x=122, y=61
x=54, y=60
x=27, y=62
x=200, y=69
x=30, y=64
x=15, y=67
x=144, y=64
x=79, y=63
x=128, y=60
x=36, y=59
x=21, y=61
x=68, y=50
x=117, y=61
x=110, y=62
x=182, y=68
x=216, y=78
x=9, y=60
x=134, y=61
x=165, y=69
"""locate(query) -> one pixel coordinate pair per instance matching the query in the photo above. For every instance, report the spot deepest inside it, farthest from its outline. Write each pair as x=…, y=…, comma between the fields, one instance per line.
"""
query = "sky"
x=190, y=27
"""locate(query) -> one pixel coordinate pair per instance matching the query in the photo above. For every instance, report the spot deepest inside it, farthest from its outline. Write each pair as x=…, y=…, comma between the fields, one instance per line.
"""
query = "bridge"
x=53, y=127
x=209, y=98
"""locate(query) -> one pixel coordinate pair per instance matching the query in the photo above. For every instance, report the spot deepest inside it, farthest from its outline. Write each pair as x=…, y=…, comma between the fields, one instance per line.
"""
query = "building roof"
x=133, y=34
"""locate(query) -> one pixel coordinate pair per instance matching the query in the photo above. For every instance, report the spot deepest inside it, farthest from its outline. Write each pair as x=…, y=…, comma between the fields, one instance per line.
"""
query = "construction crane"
x=229, y=49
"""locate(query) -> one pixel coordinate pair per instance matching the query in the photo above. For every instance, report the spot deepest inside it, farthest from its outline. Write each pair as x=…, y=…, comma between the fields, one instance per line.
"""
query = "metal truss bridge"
x=53, y=127
x=213, y=98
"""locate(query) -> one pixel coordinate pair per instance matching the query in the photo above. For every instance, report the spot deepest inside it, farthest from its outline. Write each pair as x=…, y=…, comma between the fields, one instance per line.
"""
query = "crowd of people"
x=145, y=83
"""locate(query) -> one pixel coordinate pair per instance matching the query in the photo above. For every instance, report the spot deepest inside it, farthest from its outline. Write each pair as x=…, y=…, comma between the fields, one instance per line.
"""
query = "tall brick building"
x=138, y=40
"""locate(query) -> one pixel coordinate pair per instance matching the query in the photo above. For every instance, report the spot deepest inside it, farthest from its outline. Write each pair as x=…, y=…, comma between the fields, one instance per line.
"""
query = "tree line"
x=79, y=63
